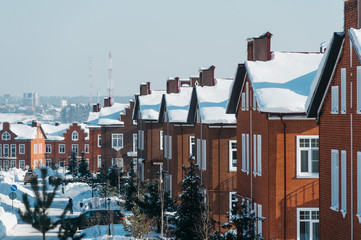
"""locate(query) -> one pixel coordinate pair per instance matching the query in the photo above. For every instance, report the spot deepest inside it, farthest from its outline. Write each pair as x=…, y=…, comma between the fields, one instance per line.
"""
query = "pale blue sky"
x=45, y=45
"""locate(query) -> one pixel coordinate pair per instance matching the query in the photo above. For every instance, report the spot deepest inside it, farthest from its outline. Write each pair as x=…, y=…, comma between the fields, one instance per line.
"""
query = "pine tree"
x=83, y=166
x=191, y=211
x=38, y=216
x=72, y=166
x=130, y=188
x=139, y=223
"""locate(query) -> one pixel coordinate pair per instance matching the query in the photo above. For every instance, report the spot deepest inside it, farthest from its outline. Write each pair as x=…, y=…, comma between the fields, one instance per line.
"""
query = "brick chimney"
x=193, y=81
x=184, y=83
x=108, y=102
x=259, y=48
x=6, y=126
x=206, y=77
x=145, y=89
x=352, y=10
x=173, y=85
x=34, y=123
x=96, y=107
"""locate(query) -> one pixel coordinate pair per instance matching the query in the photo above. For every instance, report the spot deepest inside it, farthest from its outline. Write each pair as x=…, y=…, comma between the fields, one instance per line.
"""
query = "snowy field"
x=80, y=192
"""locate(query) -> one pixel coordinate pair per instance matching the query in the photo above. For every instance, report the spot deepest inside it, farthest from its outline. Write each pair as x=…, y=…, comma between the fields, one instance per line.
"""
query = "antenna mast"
x=91, y=79
x=110, y=83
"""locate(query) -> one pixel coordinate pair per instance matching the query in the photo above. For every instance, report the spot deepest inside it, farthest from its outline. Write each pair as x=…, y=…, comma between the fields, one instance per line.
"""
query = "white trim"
x=135, y=142
x=60, y=145
x=191, y=144
x=21, y=146
x=230, y=155
x=204, y=154
x=310, y=220
x=309, y=149
x=161, y=140
x=343, y=91
x=99, y=161
x=358, y=214
x=334, y=180
x=231, y=201
x=6, y=136
x=358, y=90
x=343, y=183
x=74, y=136
x=99, y=140
x=117, y=141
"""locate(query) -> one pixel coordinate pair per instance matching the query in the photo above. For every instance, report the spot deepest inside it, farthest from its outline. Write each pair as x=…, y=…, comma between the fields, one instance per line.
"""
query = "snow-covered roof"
x=23, y=131
x=212, y=101
x=107, y=115
x=16, y=117
x=282, y=85
x=55, y=133
x=178, y=104
x=149, y=105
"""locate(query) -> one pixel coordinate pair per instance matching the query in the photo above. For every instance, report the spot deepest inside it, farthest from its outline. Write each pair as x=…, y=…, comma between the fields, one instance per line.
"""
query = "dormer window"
x=74, y=136
x=6, y=136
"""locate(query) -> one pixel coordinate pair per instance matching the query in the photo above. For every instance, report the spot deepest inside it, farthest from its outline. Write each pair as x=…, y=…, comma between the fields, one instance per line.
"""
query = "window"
x=117, y=141
x=40, y=148
x=247, y=95
x=135, y=142
x=343, y=90
x=13, y=164
x=21, y=149
x=118, y=162
x=47, y=148
x=192, y=146
x=74, y=149
x=13, y=150
x=99, y=141
x=99, y=161
x=6, y=150
x=343, y=183
x=21, y=164
x=257, y=208
x=6, y=165
x=358, y=89
x=86, y=148
x=307, y=156
x=243, y=101
x=1, y=165
x=334, y=99
x=161, y=140
x=35, y=148
x=232, y=155
x=257, y=154
x=170, y=147
x=204, y=154
x=74, y=136
x=40, y=135
x=47, y=162
x=232, y=201
x=61, y=148
x=135, y=164
x=359, y=186
x=198, y=152
x=5, y=136
x=245, y=152
x=254, y=105
x=334, y=180
x=308, y=223
x=165, y=152
x=1, y=151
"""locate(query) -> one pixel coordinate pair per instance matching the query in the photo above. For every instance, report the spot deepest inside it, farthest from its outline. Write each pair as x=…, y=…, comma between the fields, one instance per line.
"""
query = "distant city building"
x=63, y=103
x=31, y=99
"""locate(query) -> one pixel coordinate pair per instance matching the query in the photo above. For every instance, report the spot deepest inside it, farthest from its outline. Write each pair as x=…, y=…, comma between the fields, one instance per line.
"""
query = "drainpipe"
x=284, y=176
x=219, y=178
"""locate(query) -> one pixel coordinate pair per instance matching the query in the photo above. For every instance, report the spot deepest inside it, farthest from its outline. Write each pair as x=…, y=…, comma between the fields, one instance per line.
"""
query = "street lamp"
x=109, y=233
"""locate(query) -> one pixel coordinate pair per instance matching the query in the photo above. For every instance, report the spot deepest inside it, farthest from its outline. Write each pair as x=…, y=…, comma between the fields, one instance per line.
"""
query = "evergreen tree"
x=38, y=216
x=130, y=188
x=139, y=224
x=72, y=166
x=191, y=214
x=83, y=166
x=68, y=233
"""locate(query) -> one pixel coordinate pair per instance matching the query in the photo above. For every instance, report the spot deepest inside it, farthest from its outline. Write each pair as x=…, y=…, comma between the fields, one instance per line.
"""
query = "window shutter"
x=334, y=99
x=343, y=182
x=247, y=151
x=343, y=90
x=359, y=89
x=254, y=153
x=243, y=104
x=334, y=180
x=259, y=154
x=204, y=154
x=247, y=95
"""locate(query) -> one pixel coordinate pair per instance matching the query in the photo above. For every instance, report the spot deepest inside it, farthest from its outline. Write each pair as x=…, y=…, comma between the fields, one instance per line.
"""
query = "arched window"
x=6, y=136
x=74, y=136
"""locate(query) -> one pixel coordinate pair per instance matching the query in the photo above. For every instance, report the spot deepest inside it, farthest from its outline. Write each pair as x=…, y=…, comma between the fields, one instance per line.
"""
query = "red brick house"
x=277, y=146
x=95, y=143
x=150, y=138
x=21, y=145
x=336, y=104
x=214, y=142
x=62, y=140
x=178, y=135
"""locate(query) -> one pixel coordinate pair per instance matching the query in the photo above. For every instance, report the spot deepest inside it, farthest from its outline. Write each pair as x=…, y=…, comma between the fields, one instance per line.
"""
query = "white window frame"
x=343, y=91
x=198, y=152
x=6, y=136
x=231, y=150
x=232, y=201
x=343, y=183
x=35, y=148
x=99, y=161
x=335, y=180
x=161, y=140
x=358, y=101
x=47, y=148
x=247, y=153
x=170, y=147
x=135, y=142
x=86, y=148
x=311, y=221
x=334, y=100
x=310, y=149
x=74, y=136
x=358, y=214
x=6, y=165
x=244, y=168
x=6, y=150
x=99, y=140
x=117, y=141
x=243, y=101
x=21, y=164
x=13, y=150
x=40, y=148
x=259, y=219
x=12, y=163
x=247, y=95
x=1, y=151
x=192, y=143
x=165, y=152
x=61, y=147
x=21, y=149
x=75, y=147
x=204, y=154
x=47, y=162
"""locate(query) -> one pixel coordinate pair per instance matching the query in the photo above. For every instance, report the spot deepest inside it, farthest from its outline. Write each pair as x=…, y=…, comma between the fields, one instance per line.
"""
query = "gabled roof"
x=148, y=106
x=282, y=84
x=236, y=89
x=23, y=131
x=107, y=115
x=56, y=132
x=177, y=105
x=212, y=103
x=324, y=73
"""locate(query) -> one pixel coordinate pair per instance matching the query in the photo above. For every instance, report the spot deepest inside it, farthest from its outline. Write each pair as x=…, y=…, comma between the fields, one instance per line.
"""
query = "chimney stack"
x=352, y=14
x=108, y=102
x=173, y=85
x=193, y=81
x=259, y=48
x=145, y=89
x=96, y=107
x=206, y=76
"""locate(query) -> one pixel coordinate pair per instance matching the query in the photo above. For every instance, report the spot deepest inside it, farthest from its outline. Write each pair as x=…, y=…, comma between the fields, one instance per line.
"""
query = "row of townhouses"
x=284, y=135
